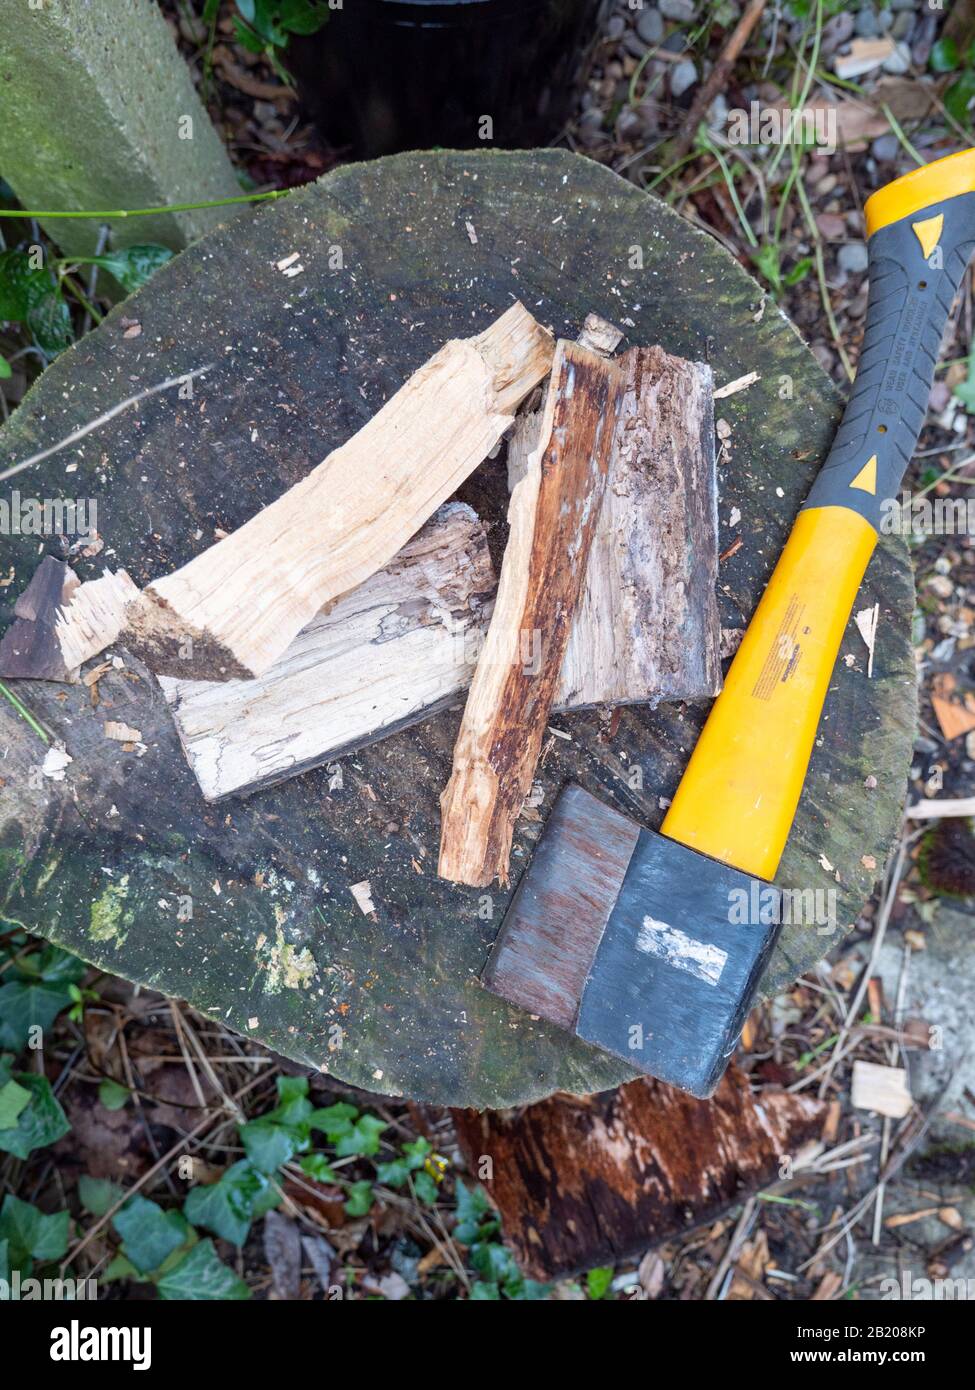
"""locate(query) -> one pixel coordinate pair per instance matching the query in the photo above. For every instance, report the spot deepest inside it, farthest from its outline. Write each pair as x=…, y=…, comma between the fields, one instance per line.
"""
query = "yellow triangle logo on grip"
x=866, y=479
x=928, y=233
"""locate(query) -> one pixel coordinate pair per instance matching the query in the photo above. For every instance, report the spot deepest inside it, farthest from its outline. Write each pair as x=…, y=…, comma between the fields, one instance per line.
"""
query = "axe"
x=651, y=946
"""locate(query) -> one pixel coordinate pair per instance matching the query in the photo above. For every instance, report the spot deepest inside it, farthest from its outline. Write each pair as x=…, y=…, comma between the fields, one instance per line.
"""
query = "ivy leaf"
x=417, y=1152
x=598, y=1281
x=425, y=1187
x=302, y=16
x=334, y=1121
x=394, y=1173
x=483, y=1293
x=25, y=1005
x=13, y=1100
x=268, y=1145
x=5, y=1260
x=492, y=1261
x=472, y=1208
x=39, y=1123
x=228, y=1207
x=318, y=1167
x=30, y=1234
x=97, y=1195
x=132, y=266
x=148, y=1233
x=112, y=1094
x=201, y=1275
x=360, y=1198
x=363, y=1137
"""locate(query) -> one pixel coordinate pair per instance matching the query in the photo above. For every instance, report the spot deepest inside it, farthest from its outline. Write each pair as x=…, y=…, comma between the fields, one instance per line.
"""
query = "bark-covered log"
x=587, y=1181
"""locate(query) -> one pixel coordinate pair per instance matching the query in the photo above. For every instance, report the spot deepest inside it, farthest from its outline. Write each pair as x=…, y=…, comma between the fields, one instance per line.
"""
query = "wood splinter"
x=60, y=623
x=235, y=608
x=552, y=516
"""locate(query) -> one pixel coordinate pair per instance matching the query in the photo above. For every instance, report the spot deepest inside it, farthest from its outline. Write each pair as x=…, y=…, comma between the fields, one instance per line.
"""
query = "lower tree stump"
x=246, y=908
x=585, y=1182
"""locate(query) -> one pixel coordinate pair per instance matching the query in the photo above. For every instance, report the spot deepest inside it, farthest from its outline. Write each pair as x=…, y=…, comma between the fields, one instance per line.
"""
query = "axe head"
x=635, y=943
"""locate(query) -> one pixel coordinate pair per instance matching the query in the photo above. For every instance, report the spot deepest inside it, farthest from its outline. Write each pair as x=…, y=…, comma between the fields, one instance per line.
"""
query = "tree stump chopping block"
x=310, y=915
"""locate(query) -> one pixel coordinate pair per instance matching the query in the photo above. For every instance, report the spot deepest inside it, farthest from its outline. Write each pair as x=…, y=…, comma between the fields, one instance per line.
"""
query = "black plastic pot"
x=388, y=75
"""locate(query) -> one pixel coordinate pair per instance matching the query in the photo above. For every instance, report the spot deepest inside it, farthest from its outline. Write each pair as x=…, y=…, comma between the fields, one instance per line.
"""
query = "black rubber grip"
x=910, y=299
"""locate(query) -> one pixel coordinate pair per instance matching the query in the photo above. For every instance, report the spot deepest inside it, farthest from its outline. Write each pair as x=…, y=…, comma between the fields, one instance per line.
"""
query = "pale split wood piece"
x=552, y=516
x=233, y=610
x=394, y=650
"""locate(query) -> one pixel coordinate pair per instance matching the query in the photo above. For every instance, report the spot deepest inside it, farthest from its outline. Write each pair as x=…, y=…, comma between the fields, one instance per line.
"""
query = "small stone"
x=836, y=31
x=718, y=112
x=884, y=20
x=903, y=25
x=903, y=4
x=831, y=225
x=885, y=149
x=866, y=25
x=633, y=44
x=853, y=257
x=970, y=745
x=683, y=77
x=899, y=61
x=680, y=10
x=650, y=27
x=616, y=27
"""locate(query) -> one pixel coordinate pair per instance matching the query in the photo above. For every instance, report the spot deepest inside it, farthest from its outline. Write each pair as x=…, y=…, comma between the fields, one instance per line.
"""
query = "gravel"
x=853, y=257
x=650, y=27
x=683, y=77
x=681, y=10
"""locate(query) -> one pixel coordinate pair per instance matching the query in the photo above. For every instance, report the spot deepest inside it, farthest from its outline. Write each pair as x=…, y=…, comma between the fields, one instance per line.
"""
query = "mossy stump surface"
x=397, y=256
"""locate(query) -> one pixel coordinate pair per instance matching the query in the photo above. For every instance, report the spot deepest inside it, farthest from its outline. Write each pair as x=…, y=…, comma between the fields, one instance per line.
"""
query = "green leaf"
x=25, y=1005
x=472, y=1209
x=959, y=95
x=201, y=1275
x=944, y=56
x=5, y=1260
x=50, y=323
x=598, y=1281
x=417, y=1152
x=334, y=1121
x=767, y=261
x=39, y=1123
x=111, y=1094
x=267, y=1144
x=799, y=271
x=21, y=284
x=492, y=1261
x=13, y=1100
x=246, y=37
x=98, y=1195
x=133, y=265
x=484, y=1293
x=148, y=1233
x=31, y=1234
x=425, y=1187
x=228, y=1207
x=302, y=16
x=393, y=1174
x=318, y=1167
x=119, y=1268
x=6, y=371
x=363, y=1137
x=360, y=1198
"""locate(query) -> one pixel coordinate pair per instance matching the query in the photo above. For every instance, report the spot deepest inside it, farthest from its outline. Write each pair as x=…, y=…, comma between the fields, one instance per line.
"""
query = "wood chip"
x=121, y=733
x=362, y=892
x=881, y=1089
